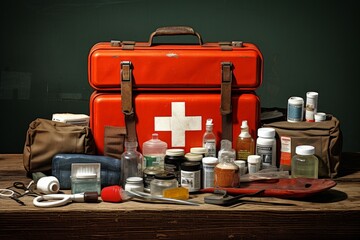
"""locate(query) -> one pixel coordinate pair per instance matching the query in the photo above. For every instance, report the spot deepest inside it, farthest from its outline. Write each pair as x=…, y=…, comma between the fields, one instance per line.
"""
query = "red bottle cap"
x=112, y=194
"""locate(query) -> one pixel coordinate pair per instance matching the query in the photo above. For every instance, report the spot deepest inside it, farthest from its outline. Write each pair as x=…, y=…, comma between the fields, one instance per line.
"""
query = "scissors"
x=57, y=200
x=15, y=195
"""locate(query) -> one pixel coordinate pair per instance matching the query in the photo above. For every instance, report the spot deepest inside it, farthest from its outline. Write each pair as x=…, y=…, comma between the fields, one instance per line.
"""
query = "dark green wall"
x=307, y=45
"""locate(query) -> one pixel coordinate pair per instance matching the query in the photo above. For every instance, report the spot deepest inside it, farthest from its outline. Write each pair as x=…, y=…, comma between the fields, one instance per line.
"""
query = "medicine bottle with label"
x=209, y=164
x=304, y=164
x=209, y=139
x=173, y=159
x=154, y=151
x=245, y=144
x=191, y=176
x=266, y=147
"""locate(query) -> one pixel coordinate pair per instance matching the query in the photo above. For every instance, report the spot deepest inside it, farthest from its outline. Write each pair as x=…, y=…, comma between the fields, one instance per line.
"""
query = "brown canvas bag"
x=325, y=136
x=46, y=138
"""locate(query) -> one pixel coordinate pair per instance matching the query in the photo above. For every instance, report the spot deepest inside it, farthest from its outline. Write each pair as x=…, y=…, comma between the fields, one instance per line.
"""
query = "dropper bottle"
x=245, y=144
x=209, y=139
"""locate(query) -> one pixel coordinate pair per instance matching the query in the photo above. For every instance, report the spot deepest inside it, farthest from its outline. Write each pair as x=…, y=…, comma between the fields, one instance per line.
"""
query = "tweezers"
x=149, y=197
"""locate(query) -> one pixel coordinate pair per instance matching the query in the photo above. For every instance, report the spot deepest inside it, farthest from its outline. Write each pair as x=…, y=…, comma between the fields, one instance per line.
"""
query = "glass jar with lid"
x=161, y=182
x=304, y=164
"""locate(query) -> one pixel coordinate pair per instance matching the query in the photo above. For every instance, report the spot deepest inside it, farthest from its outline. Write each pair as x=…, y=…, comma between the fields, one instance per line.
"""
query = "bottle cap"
x=296, y=100
x=209, y=122
x=198, y=150
x=165, y=176
x=312, y=94
x=112, y=194
x=91, y=197
x=266, y=132
x=240, y=163
x=320, y=116
x=190, y=166
x=175, y=152
x=134, y=180
x=253, y=159
x=210, y=160
x=305, y=150
x=192, y=157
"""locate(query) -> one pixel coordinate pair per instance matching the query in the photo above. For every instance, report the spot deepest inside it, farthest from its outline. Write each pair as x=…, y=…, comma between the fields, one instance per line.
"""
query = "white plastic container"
x=295, y=109
x=154, y=151
x=311, y=106
x=209, y=164
x=254, y=163
x=266, y=147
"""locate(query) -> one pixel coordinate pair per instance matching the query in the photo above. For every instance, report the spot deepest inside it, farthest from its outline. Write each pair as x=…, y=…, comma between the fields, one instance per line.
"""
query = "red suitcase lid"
x=166, y=66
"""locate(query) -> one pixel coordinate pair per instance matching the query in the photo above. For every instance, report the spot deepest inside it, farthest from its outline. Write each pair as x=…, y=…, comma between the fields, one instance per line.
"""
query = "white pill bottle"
x=266, y=147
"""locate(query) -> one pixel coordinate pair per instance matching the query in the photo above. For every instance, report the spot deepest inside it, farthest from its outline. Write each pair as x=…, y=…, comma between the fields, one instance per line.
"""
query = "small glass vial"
x=209, y=139
x=304, y=164
x=134, y=183
x=191, y=176
x=161, y=182
x=209, y=164
x=254, y=162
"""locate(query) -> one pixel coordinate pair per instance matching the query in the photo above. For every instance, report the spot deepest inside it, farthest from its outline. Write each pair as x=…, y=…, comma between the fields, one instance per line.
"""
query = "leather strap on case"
x=127, y=100
x=225, y=108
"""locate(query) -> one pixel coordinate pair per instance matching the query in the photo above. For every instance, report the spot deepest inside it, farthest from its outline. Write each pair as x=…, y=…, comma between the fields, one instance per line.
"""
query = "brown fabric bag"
x=114, y=140
x=46, y=138
x=325, y=136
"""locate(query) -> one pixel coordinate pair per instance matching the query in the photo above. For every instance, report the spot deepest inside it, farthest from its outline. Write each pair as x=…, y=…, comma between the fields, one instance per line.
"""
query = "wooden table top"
x=331, y=213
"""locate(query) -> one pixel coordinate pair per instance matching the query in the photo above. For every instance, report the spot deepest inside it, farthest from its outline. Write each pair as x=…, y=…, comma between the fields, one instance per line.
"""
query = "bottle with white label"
x=154, y=151
x=266, y=147
x=209, y=139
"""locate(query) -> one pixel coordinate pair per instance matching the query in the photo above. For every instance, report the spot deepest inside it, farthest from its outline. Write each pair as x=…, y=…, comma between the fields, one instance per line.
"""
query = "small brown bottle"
x=245, y=144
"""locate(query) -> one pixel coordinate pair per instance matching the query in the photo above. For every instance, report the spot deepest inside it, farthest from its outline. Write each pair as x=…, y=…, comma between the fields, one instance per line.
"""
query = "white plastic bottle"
x=245, y=144
x=266, y=147
x=209, y=139
x=154, y=151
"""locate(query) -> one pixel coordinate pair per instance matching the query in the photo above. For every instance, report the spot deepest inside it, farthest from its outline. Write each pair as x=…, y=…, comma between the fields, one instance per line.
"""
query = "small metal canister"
x=149, y=174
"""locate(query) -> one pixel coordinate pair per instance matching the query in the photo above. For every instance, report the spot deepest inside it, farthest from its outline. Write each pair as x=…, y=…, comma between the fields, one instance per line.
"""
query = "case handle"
x=174, y=30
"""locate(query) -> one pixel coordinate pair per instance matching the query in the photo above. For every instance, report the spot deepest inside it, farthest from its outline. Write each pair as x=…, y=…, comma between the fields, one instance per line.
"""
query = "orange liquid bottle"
x=245, y=144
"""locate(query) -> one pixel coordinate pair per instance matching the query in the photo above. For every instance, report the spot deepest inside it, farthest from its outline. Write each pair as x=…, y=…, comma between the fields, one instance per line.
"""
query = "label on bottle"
x=285, y=152
x=210, y=146
x=191, y=180
x=265, y=152
x=153, y=160
x=242, y=154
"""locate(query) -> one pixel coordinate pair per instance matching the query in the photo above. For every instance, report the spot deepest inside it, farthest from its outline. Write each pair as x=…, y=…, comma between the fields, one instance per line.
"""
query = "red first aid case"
x=172, y=89
x=178, y=118
x=174, y=66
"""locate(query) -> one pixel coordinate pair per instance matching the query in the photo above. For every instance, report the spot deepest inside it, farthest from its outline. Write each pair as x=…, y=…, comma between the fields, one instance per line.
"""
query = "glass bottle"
x=154, y=151
x=245, y=144
x=209, y=139
x=131, y=162
x=226, y=172
x=304, y=164
x=161, y=182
